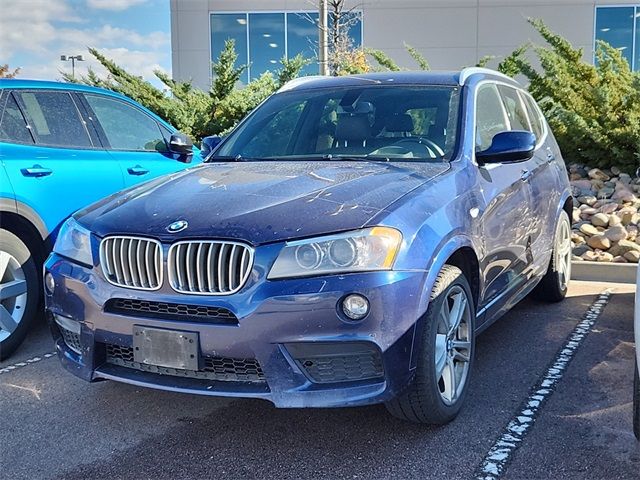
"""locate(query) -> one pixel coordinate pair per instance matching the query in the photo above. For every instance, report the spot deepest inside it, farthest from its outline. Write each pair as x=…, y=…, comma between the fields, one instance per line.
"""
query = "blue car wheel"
x=19, y=292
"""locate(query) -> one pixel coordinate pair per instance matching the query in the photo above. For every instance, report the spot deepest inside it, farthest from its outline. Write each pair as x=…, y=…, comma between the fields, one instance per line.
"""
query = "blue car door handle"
x=137, y=170
x=36, y=171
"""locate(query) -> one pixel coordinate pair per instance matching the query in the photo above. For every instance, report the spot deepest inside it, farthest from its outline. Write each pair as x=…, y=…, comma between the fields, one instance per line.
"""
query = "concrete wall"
x=450, y=33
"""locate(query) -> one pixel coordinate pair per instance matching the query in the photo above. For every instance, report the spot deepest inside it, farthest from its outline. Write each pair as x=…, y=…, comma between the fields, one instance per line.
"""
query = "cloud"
x=35, y=42
x=114, y=5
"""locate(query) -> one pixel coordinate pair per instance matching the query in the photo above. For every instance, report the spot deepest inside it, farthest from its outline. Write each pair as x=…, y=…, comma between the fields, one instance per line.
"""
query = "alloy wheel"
x=13, y=294
x=453, y=345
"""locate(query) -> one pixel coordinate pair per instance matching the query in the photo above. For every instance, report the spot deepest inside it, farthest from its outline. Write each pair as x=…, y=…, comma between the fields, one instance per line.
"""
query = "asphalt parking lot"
x=56, y=426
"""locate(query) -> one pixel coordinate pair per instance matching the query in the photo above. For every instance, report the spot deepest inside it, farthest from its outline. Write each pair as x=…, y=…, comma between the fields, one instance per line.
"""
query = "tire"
x=636, y=401
x=427, y=399
x=555, y=283
x=19, y=292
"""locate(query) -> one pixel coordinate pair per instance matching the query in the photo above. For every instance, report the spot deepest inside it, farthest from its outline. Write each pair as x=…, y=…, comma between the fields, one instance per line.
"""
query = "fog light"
x=356, y=307
x=49, y=283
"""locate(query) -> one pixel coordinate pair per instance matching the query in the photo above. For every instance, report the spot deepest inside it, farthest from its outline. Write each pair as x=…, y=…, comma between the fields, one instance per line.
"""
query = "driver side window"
x=490, y=116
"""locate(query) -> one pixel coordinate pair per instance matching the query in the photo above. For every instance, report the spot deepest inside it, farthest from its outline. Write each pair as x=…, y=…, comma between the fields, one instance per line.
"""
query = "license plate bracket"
x=165, y=348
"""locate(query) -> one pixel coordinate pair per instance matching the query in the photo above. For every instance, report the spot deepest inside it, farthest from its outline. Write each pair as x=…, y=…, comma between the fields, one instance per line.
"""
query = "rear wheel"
x=555, y=283
x=445, y=354
x=19, y=292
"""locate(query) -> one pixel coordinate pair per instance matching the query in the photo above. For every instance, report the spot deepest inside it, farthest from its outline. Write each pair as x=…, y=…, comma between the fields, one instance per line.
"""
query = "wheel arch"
x=28, y=233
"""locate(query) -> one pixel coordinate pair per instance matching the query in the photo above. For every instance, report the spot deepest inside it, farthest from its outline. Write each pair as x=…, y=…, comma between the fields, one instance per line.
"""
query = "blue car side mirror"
x=507, y=147
x=209, y=143
x=182, y=145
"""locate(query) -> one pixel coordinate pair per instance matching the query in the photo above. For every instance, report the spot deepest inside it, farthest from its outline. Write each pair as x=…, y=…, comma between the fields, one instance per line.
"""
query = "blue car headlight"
x=74, y=242
x=362, y=250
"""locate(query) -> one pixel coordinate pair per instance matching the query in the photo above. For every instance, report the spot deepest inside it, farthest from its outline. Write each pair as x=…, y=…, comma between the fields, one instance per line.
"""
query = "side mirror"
x=180, y=144
x=209, y=143
x=507, y=147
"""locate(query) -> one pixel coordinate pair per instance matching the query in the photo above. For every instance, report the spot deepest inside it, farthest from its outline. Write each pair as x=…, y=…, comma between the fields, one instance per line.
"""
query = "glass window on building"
x=262, y=39
x=618, y=26
x=225, y=26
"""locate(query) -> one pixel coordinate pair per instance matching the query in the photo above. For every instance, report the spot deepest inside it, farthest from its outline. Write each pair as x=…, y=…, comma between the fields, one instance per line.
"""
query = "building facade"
x=450, y=34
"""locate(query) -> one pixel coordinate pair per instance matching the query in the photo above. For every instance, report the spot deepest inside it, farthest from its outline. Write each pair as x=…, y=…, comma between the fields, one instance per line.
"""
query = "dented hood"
x=259, y=202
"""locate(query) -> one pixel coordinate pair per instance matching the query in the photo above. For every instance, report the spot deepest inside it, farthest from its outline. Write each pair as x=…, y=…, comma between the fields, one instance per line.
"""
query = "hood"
x=259, y=202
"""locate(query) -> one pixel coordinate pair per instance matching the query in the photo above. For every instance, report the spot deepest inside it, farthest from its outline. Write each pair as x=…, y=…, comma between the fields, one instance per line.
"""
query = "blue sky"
x=136, y=34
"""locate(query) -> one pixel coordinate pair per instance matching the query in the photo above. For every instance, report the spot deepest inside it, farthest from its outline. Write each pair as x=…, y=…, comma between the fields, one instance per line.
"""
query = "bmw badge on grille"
x=178, y=226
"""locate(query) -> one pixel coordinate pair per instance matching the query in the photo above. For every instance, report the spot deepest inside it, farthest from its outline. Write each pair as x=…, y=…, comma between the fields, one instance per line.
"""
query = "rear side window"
x=54, y=119
x=515, y=108
x=126, y=127
x=537, y=122
x=13, y=126
x=490, y=116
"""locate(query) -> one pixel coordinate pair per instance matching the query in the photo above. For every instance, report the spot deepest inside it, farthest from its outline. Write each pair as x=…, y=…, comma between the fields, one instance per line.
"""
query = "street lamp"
x=73, y=58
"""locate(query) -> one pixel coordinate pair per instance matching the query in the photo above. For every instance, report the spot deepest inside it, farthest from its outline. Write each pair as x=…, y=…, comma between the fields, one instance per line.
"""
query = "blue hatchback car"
x=63, y=146
x=342, y=246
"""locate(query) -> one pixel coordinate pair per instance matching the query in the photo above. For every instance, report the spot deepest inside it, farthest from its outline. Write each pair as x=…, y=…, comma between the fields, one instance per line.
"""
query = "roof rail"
x=467, y=72
x=296, y=82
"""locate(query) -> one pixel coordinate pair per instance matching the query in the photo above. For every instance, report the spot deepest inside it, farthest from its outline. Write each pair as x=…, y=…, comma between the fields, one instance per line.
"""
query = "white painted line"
x=16, y=366
x=494, y=464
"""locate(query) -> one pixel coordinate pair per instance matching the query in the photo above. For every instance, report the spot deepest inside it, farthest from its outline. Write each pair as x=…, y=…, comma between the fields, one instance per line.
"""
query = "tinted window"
x=390, y=123
x=54, y=119
x=13, y=127
x=490, y=118
x=515, y=108
x=537, y=122
x=126, y=127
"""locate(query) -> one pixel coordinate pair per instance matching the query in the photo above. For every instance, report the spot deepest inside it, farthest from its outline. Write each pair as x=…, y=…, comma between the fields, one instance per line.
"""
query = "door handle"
x=36, y=171
x=525, y=175
x=137, y=170
x=550, y=155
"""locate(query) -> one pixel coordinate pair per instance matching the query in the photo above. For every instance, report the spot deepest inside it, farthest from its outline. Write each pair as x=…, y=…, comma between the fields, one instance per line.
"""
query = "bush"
x=593, y=110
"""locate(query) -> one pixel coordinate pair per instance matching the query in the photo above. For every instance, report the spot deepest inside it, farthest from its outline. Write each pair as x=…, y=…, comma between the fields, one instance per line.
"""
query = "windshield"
x=388, y=123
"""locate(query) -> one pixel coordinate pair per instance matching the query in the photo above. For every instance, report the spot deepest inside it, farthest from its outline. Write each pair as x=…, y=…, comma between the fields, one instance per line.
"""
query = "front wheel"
x=19, y=292
x=555, y=283
x=445, y=354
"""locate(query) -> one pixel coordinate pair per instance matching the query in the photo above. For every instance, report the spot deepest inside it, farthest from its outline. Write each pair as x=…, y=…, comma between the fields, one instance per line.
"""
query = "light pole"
x=73, y=59
x=323, y=40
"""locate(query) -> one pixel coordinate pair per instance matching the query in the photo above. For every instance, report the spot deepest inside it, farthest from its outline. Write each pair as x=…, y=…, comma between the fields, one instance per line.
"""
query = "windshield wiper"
x=231, y=158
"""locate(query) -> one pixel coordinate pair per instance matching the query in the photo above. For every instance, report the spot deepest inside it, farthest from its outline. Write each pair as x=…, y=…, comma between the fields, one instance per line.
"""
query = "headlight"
x=363, y=250
x=74, y=242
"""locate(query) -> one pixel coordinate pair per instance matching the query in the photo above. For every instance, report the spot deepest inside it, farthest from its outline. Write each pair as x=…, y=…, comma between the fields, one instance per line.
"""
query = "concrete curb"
x=604, y=272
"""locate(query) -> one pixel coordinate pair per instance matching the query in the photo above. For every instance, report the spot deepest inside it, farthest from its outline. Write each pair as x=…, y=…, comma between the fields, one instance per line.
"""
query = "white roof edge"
x=467, y=72
x=296, y=82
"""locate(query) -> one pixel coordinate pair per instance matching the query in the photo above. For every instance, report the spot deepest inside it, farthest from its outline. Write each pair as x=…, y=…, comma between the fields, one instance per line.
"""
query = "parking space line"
x=24, y=363
x=494, y=464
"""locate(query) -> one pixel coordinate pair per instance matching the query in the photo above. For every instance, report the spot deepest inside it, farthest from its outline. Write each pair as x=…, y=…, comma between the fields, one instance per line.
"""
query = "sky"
x=136, y=34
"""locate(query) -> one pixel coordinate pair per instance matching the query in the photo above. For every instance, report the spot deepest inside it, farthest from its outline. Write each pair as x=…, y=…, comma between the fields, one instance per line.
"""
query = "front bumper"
x=289, y=344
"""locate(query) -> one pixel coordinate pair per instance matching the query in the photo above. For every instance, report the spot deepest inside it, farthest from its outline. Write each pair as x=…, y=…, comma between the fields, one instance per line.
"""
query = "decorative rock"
x=616, y=233
x=588, y=229
x=625, y=178
x=604, y=257
x=624, y=246
x=589, y=256
x=575, y=215
x=577, y=239
x=600, y=219
x=632, y=256
x=581, y=249
x=614, y=220
x=575, y=176
x=582, y=184
x=598, y=174
x=600, y=242
x=608, y=208
x=615, y=170
x=619, y=259
x=575, y=258
x=624, y=196
x=587, y=199
x=605, y=192
x=632, y=232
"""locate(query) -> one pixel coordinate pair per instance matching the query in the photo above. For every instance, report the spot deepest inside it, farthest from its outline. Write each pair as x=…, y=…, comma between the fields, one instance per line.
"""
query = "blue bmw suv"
x=343, y=246
x=63, y=146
